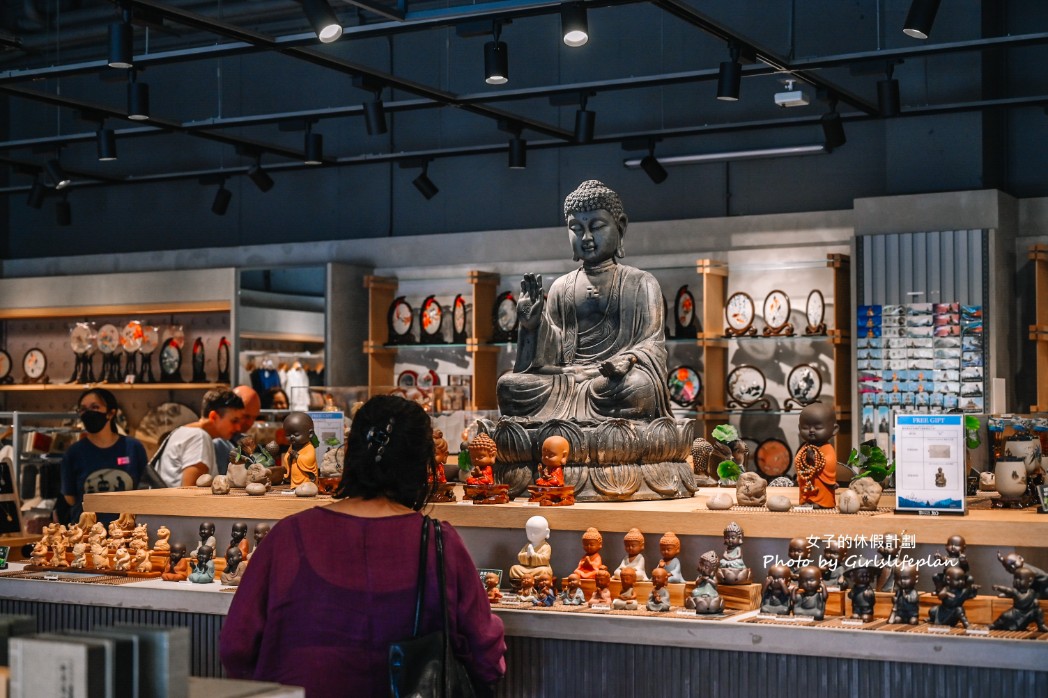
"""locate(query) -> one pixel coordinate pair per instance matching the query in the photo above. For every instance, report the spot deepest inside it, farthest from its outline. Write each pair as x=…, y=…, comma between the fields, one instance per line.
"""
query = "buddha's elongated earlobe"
x=620, y=251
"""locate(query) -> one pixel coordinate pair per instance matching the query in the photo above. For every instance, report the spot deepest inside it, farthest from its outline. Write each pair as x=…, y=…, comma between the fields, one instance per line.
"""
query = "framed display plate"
x=804, y=384
x=223, y=360
x=777, y=314
x=108, y=338
x=150, y=339
x=504, y=318
x=431, y=317
x=458, y=320
x=34, y=365
x=428, y=379
x=738, y=313
x=407, y=379
x=131, y=336
x=83, y=338
x=745, y=386
x=684, y=385
x=171, y=361
x=773, y=457
x=684, y=314
x=400, y=318
x=5, y=367
x=815, y=313
x=198, y=361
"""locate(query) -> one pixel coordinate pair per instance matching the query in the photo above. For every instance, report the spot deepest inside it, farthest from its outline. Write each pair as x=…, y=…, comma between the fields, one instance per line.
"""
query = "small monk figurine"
x=534, y=557
x=544, y=593
x=831, y=561
x=527, y=589
x=954, y=556
x=549, y=488
x=445, y=491
x=300, y=462
x=732, y=568
x=816, y=460
x=592, y=542
x=207, y=538
x=776, y=596
x=1013, y=561
x=862, y=594
x=573, y=595
x=959, y=588
x=491, y=586
x=704, y=597
x=480, y=484
x=1025, y=609
x=261, y=529
x=905, y=605
x=601, y=593
x=204, y=567
x=799, y=552
x=889, y=550
x=809, y=595
x=669, y=547
x=239, y=539
x=163, y=536
x=177, y=569
x=235, y=566
x=627, y=598
x=659, y=599
x=633, y=542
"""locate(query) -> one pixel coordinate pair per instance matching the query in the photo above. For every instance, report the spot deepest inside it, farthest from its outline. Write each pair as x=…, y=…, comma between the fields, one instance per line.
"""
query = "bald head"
x=252, y=406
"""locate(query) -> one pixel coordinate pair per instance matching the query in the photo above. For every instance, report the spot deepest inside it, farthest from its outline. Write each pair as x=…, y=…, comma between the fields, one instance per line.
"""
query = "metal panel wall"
x=928, y=267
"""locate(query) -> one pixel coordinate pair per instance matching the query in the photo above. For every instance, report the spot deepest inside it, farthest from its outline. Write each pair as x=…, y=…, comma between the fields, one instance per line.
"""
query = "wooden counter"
x=1004, y=528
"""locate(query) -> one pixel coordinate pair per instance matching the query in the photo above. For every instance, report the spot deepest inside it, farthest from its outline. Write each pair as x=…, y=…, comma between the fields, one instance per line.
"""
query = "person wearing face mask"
x=103, y=460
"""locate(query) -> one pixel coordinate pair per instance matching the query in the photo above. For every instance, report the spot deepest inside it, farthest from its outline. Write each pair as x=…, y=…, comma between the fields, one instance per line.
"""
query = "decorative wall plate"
x=773, y=457
x=745, y=386
x=430, y=319
x=150, y=339
x=108, y=338
x=131, y=336
x=171, y=361
x=738, y=313
x=804, y=383
x=223, y=360
x=198, y=361
x=34, y=366
x=458, y=320
x=407, y=379
x=777, y=314
x=5, y=367
x=400, y=318
x=684, y=314
x=428, y=379
x=685, y=385
x=815, y=312
x=504, y=318
x=83, y=337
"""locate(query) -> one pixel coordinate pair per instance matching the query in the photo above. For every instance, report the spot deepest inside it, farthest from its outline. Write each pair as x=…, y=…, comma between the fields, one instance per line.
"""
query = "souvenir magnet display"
x=198, y=361
x=223, y=360
x=777, y=315
x=504, y=318
x=458, y=320
x=400, y=318
x=745, y=386
x=684, y=314
x=34, y=366
x=431, y=317
x=738, y=312
x=815, y=312
x=685, y=386
x=804, y=383
x=108, y=340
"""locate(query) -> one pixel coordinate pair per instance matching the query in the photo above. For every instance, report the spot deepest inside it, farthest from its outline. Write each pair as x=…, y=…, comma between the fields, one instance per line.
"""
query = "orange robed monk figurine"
x=549, y=488
x=816, y=459
x=445, y=491
x=300, y=462
x=482, y=452
x=590, y=564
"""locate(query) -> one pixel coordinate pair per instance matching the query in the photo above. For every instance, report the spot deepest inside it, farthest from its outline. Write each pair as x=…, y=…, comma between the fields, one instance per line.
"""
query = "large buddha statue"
x=594, y=349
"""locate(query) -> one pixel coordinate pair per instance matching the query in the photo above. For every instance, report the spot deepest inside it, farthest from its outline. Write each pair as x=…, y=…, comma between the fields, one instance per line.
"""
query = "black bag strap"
x=150, y=478
x=439, y=540
x=421, y=585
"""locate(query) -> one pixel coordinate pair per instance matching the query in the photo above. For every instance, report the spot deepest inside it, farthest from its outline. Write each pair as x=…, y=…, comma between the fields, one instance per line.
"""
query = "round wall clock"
x=400, y=318
x=773, y=457
x=198, y=361
x=777, y=314
x=505, y=318
x=684, y=385
x=815, y=312
x=34, y=365
x=745, y=386
x=171, y=361
x=5, y=367
x=804, y=384
x=223, y=360
x=684, y=314
x=458, y=320
x=738, y=312
x=430, y=317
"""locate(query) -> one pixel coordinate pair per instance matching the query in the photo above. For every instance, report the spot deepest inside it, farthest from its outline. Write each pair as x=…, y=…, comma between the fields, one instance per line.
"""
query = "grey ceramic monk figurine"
x=595, y=348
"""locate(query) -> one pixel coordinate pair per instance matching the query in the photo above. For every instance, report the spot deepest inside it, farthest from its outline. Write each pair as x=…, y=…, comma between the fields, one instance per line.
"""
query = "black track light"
x=120, y=45
x=222, y=198
x=496, y=59
x=314, y=148
x=653, y=168
x=375, y=116
x=323, y=20
x=585, y=121
x=36, y=194
x=424, y=184
x=58, y=176
x=920, y=18
x=137, y=100
x=105, y=139
x=888, y=94
x=260, y=177
x=63, y=212
x=518, y=153
x=574, y=25
x=729, y=79
x=833, y=128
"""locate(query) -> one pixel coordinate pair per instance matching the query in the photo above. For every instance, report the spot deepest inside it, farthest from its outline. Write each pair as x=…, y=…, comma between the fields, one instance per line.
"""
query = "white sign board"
x=930, y=468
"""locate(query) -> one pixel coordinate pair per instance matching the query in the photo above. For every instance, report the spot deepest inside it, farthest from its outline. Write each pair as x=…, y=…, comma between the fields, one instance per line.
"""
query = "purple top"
x=326, y=594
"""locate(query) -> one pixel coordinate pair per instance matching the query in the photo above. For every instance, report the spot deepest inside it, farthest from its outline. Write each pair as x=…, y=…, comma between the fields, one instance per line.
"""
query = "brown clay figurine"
x=816, y=460
x=207, y=537
x=601, y=593
x=958, y=589
x=239, y=539
x=831, y=561
x=1014, y=561
x=776, y=596
x=732, y=568
x=592, y=542
x=659, y=599
x=627, y=598
x=544, y=593
x=534, y=557
x=204, y=567
x=905, y=606
x=491, y=586
x=799, y=552
x=809, y=594
x=633, y=542
x=481, y=487
x=573, y=595
x=669, y=548
x=954, y=557
x=890, y=552
x=1025, y=609
x=177, y=569
x=549, y=488
x=704, y=597
x=235, y=566
x=300, y=462
x=261, y=529
x=445, y=491
x=527, y=589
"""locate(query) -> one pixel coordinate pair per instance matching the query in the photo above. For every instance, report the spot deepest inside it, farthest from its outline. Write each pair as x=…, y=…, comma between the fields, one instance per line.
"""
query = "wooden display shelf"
x=76, y=387
x=79, y=311
x=1002, y=528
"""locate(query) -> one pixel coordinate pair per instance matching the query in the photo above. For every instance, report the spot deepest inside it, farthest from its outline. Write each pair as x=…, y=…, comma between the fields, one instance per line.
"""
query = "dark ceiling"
x=250, y=76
